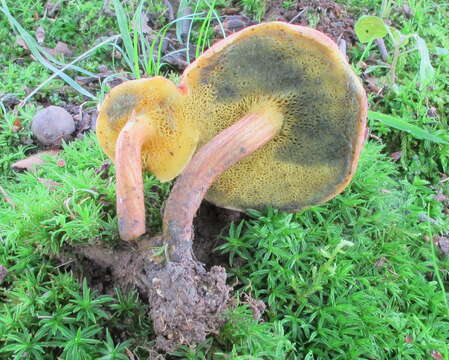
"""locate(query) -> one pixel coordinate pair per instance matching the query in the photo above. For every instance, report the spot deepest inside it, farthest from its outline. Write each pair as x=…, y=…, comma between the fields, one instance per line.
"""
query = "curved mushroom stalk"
x=224, y=150
x=187, y=301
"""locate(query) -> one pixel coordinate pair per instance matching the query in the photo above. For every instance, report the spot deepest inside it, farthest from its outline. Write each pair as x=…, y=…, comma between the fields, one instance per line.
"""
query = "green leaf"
x=399, y=39
x=426, y=71
x=369, y=28
x=441, y=51
x=403, y=125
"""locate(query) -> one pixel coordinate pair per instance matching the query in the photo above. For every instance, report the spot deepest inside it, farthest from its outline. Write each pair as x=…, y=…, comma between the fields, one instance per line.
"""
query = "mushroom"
x=140, y=126
x=293, y=70
x=280, y=120
x=301, y=74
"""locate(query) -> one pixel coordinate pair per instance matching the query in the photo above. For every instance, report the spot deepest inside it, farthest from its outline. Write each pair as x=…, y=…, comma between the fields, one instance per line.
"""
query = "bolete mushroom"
x=140, y=125
x=285, y=91
x=296, y=72
x=300, y=74
x=280, y=118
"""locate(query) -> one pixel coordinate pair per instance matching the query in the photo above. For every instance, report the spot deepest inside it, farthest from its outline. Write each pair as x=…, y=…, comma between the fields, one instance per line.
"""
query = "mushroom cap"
x=160, y=103
x=301, y=73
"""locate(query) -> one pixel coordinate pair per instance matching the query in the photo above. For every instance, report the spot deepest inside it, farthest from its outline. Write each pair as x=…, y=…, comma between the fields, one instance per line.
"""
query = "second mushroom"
x=277, y=114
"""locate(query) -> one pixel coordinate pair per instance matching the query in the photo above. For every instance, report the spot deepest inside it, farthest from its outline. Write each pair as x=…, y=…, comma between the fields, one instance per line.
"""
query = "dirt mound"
x=175, y=291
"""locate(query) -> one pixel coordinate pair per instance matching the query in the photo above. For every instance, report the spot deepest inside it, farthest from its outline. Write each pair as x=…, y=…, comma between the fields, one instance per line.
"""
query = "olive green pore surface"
x=315, y=89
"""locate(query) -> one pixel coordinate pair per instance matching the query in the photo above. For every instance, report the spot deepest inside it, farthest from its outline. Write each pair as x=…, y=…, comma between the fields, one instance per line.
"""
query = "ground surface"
x=365, y=276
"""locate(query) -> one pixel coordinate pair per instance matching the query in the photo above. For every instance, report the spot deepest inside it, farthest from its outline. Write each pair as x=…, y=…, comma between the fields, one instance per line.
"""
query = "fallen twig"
x=383, y=50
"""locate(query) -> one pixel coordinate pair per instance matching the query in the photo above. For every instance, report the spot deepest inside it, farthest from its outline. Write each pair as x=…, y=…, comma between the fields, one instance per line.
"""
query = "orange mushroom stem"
x=230, y=146
x=128, y=157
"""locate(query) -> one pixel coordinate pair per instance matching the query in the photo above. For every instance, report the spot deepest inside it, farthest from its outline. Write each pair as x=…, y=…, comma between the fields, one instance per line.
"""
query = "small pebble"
x=52, y=124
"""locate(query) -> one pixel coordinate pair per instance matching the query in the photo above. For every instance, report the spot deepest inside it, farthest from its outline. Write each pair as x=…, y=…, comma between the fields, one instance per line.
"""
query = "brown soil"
x=210, y=226
x=186, y=299
x=332, y=19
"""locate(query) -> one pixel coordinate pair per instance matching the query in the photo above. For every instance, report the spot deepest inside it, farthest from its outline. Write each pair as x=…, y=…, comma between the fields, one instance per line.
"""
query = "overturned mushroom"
x=290, y=118
x=299, y=73
x=280, y=117
x=140, y=125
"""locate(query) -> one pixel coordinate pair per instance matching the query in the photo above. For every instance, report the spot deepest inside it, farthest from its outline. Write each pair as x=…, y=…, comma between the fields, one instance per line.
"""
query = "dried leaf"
x=40, y=34
x=7, y=198
x=129, y=354
x=235, y=23
x=408, y=339
x=31, y=162
x=372, y=85
x=436, y=355
x=3, y=273
x=443, y=244
x=52, y=8
x=396, y=155
x=61, y=48
x=144, y=22
x=440, y=197
x=16, y=125
x=380, y=262
x=103, y=171
x=432, y=112
x=177, y=60
x=230, y=11
x=22, y=43
x=49, y=184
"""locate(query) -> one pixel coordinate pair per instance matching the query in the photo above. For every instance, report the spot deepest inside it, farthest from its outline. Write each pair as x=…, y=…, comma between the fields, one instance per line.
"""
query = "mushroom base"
x=186, y=301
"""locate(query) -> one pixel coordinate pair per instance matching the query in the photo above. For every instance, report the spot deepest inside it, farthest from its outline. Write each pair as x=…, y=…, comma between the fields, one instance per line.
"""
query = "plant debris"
x=53, y=8
x=40, y=34
x=9, y=100
x=443, y=244
x=326, y=16
x=7, y=198
x=49, y=184
x=234, y=23
x=3, y=273
x=31, y=162
x=61, y=48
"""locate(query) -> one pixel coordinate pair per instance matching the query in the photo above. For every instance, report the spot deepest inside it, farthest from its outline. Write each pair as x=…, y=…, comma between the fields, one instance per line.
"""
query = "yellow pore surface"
x=311, y=158
x=159, y=101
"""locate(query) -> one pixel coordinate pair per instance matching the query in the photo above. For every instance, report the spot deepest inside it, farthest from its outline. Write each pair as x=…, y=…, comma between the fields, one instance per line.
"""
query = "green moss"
x=354, y=278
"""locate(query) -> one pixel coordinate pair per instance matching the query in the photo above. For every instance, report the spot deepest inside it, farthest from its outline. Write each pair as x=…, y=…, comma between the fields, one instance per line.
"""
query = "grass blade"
x=34, y=48
x=401, y=124
x=122, y=21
